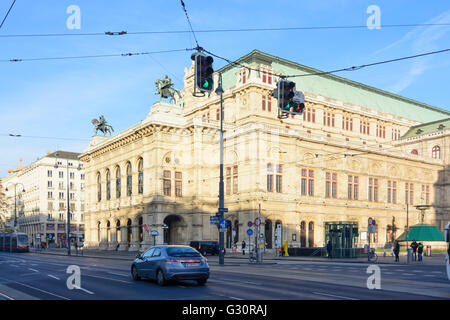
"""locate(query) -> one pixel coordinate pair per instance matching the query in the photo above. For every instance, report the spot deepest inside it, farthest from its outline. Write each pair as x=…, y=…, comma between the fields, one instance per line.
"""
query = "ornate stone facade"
x=339, y=162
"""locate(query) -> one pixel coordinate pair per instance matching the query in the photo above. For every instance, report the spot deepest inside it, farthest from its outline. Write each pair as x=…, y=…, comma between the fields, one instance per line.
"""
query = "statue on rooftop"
x=100, y=124
x=164, y=87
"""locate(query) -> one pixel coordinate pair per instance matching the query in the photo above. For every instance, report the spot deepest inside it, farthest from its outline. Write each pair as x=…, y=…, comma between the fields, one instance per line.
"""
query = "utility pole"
x=407, y=232
x=219, y=90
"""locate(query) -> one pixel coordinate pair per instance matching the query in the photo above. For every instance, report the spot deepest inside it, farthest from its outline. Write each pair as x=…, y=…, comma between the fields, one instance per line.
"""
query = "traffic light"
x=203, y=72
x=289, y=100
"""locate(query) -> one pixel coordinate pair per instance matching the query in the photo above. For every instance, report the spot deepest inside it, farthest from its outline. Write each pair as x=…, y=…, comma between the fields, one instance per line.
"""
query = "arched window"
x=118, y=182
x=436, y=152
x=99, y=187
x=141, y=176
x=414, y=151
x=303, y=234
x=108, y=185
x=129, y=179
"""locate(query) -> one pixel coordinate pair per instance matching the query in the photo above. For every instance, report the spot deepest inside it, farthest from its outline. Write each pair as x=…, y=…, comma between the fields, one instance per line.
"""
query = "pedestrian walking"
x=243, y=247
x=414, y=246
x=397, y=251
x=420, y=251
x=329, y=249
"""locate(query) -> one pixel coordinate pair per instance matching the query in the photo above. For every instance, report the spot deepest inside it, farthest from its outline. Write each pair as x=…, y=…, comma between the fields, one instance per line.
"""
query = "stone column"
x=123, y=236
x=103, y=243
x=134, y=245
x=112, y=245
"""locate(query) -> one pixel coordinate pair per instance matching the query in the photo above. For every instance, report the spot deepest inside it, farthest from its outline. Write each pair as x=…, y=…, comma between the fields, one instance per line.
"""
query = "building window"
x=409, y=193
x=72, y=196
x=49, y=184
x=82, y=176
x=178, y=184
x=72, y=208
x=264, y=76
x=353, y=187
x=167, y=188
x=330, y=185
x=118, y=183
x=263, y=103
x=307, y=183
x=61, y=195
x=49, y=173
x=235, y=180
x=347, y=123
x=328, y=119
x=99, y=187
x=436, y=152
x=228, y=181
x=243, y=72
x=129, y=179
x=364, y=127
x=414, y=152
x=141, y=176
x=309, y=115
x=392, y=191
x=381, y=131
x=72, y=175
x=61, y=206
x=269, y=177
x=61, y=174
x=279, y=179
x=50, y=195
x=108, y=185
x=50, y=206
x=373, y=189
x=395, y=134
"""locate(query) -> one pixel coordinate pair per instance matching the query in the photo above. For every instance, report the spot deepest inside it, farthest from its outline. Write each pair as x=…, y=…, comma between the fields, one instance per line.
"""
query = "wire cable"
x=189, y=21
x=12, y=5
x=109, y=33
x=94, y=56
x=353, y=68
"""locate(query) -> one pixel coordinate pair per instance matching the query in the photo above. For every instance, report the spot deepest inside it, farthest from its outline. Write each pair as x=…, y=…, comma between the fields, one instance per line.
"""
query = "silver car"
x=164, y=263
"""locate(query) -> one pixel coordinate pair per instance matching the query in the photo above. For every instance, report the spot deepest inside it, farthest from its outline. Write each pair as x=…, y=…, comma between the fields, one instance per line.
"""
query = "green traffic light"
x=206, y=84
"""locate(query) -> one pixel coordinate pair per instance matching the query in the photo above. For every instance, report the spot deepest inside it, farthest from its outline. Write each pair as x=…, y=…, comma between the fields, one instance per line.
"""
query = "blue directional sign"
x=223, y=224
x=223, y=209
x=214, y=220
x=249, y=232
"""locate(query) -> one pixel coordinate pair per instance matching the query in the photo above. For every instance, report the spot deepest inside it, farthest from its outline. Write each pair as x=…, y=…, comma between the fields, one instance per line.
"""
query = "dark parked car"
x=206, y=247
x=164, y=263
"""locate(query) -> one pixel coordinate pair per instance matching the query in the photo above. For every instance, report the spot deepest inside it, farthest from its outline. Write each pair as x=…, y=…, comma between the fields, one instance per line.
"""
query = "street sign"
x=370, y=221
x=223, y=224
x=214, y=218
x=249, y=224
x=154, y=233
x=372, y=229
x=257, y=222
x=146, y=227
x=249, y=232
x=223, y=209
x=223, y=230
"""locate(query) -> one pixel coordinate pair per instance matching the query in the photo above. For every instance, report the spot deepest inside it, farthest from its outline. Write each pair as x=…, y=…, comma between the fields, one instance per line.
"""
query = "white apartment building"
x=42, y=197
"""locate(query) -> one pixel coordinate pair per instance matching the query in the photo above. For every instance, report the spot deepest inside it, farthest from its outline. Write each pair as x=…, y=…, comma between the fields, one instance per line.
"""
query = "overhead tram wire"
x=6, y=16
x=40, y=137
x=353, y=68
x=94, y=56
x=189, y=22
x=122, y=33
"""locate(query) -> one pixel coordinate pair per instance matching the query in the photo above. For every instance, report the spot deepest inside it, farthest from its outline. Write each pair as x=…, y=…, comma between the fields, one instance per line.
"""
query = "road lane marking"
x=234, y=298
x=7, y=297
x=332, y=295
x=53, y=277
x=408, y=274
x=89, y=275
x=87, y=291
x=436, y=271
x=119, y=274
x=33, y=269
x=34, y=288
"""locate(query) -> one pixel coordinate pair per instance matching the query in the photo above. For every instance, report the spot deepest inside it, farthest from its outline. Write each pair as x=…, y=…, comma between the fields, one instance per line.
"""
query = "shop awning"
x=422, y=232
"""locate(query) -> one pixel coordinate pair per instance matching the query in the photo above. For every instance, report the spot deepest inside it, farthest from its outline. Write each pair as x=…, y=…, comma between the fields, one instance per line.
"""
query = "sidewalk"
x=239, y=258
x=433, y=260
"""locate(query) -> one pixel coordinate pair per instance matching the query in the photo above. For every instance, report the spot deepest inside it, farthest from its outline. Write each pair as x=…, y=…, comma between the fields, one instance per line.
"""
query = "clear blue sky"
x=59, y=98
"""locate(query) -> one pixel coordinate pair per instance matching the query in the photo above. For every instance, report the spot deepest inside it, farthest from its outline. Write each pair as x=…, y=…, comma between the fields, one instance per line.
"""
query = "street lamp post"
x=15, y=200
x=68, y=202
x=220, y=91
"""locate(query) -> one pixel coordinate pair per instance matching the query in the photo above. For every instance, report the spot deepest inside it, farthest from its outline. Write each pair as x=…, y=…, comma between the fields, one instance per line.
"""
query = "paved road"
x=38, y=276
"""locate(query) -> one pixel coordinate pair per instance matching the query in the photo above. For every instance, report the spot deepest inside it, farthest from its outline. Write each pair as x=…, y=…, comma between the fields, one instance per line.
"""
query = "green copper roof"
x=422, y=232
x=428, y=128
x=332, y=86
